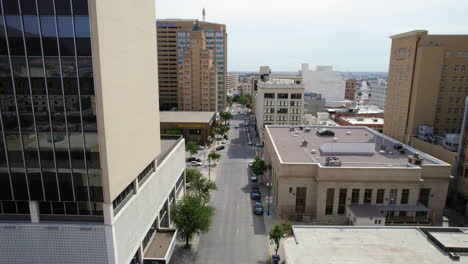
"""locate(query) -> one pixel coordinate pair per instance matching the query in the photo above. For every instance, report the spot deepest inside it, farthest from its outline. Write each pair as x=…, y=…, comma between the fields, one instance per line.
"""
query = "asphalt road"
x=237, y=235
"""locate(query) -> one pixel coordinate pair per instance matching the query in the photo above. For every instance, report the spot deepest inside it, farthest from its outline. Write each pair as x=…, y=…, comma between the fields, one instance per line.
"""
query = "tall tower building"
x=197, y=76
x=350, y=89
x=426, y=84
x=84, y=175
x=174, y=35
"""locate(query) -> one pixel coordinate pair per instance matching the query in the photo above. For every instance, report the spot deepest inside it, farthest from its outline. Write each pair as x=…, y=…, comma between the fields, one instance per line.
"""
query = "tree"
x=174, y=132
x=279, y=232
x=245, y=100
x=202, y=187
x=191, y=174
x=369, y=94
x=221, y=129
x=192, y=147
x=192, y=217
x=213, y=155
x=258, y=166
x=225, y=116
x=229, y=99
x=359, y=94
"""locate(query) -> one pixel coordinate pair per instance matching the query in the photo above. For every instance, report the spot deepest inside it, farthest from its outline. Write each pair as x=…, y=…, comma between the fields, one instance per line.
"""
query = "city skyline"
x=362, y=26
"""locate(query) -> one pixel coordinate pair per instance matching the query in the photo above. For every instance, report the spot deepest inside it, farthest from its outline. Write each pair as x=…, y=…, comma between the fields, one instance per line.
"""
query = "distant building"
x=313, y=103
x=278, y=102
x=325, y=81
x=265, y=70
x=317, y=171
x=375, y=123
x=426, y=84
x=350, y=89
x=378, y=91
x=245, y=86
x=193, y=126
x=375, y=244
x=173, y=37
x=232, y=84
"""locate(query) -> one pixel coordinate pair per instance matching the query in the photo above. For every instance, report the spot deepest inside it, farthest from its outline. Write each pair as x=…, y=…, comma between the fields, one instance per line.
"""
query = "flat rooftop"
x=354, y=146
x=358, y=120
x=186, y=116
x=383, y=245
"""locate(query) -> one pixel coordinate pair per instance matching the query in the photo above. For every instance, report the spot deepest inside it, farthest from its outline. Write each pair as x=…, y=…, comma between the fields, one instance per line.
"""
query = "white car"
x=201, y=147
x=251, y=163
x=194, y=163
x=223, y=141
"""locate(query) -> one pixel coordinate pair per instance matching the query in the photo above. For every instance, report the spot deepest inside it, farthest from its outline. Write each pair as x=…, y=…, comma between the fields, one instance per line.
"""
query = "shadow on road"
x=259, y=224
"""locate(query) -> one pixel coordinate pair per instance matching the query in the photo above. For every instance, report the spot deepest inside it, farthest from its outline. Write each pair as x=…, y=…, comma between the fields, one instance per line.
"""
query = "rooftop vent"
x=415, y=159
x=307, y=129
x=313, y=151
x=333, y=162
x=335, y=139
x=300, y=128
x=398, y=146
x=325, y=132
x=304, y=143
x=348, y=133
x=291, y=129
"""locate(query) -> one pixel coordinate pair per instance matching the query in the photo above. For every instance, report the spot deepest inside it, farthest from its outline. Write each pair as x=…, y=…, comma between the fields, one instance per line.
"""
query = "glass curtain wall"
x=48, y=142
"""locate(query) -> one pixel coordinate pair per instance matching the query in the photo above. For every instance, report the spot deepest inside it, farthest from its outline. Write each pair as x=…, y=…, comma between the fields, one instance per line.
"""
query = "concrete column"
x=136, y=185
x=168, y=213
x=34, y=211
x=140, y=254
x=108, y=211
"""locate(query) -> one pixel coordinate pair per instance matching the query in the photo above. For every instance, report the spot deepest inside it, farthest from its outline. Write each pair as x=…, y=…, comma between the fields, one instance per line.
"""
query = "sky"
x=350, y=35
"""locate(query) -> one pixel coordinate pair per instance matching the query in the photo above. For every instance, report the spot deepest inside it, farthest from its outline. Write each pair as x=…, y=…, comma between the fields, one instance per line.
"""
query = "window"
x=342, y=201
x=120, y=200
x=296, y=96
x=283, y=96
x=269, y=96
x=447, y=53
x=367, y=196
x=405, y=196
x=147, y=171
x=282, y=111
x=329, y=201
x=424, y=195
x=295, y=103
x=393, y=195
x=456, y=68
x=445, y=68
x=355, y=196
x=380, y=196
x=463, y=68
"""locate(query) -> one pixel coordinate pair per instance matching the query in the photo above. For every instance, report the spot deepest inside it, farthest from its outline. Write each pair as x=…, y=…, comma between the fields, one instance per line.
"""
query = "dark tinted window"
x=46, y=7
x=28, y=7
x=31, y=26
x=10, y=7
x=80, y=7
x=33, y=46
x=63, y=7
x=83, y=46
x=48, y=26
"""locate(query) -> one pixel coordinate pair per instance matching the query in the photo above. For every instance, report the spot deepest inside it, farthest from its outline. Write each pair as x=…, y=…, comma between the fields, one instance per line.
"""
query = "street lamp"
x=269, y=200
x=209, y=169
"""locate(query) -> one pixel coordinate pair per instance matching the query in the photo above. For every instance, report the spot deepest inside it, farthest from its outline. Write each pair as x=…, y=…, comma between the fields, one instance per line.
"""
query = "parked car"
x=253, y=177
x=258, y=208
x=251, y=163
x=201, y=147
x=236, y=126
x=224, y=141
x=193, y=159
x=194, y=163
x=255, y=194
x=250, y=142
x=225, y=136
x=220, y=147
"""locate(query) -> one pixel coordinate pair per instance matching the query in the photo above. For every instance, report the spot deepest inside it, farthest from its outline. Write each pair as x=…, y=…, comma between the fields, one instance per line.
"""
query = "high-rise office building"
x=232, y=84
x=378, y=92
x=426, y=84
x=174, y=35
x=84, y=174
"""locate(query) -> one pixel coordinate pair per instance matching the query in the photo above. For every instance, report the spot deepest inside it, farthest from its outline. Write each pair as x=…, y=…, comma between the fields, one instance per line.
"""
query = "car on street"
x=255, y=193
x=250, y=142
x=220, y=147
x=201, y=148
x=258, y=208
x=253, y=177
x=251, y=163
x=225, y=136
x=236, y=126
x=193, y=159
x=224, y=141
x=194, y=163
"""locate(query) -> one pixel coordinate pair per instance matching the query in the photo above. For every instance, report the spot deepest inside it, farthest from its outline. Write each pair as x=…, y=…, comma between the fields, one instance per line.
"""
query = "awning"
x=403, y=208
x=159, y=250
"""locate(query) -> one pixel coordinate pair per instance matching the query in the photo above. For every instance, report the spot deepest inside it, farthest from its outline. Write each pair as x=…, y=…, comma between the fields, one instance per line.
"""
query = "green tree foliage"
x=279, y=232
x=225, y=116
x=245, y=100
x=192, y=147
x=174, y=132
x=201, y=187
x=191, y=174
x=258, y=166
x=213, y=155
x=192, y=216
x=221, y=129
x=229, y=99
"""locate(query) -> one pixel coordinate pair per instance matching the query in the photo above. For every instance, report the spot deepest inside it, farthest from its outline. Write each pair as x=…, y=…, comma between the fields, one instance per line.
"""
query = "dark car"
x=225, y=136
x=255, y=194
x=193, y=159
x=253, y=177
x=258, y=208
x=219, y=147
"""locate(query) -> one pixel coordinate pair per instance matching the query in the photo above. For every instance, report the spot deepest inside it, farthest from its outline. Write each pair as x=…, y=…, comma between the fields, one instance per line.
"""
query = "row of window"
x=282, y=96
x=380, y=198
x=282, y=103
x=451, y=100
x=281, y=118
x=455, y=68
x=460, y=79
x=458, y=53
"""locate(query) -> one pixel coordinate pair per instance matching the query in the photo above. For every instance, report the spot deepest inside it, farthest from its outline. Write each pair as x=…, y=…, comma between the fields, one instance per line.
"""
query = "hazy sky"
x=351, y=35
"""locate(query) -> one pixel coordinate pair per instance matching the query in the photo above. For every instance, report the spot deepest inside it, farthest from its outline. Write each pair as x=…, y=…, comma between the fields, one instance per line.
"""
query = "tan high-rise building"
x=426, y=83
x=232, y=84
x=173, y=36
x=85, y=176
x=197, y=76
x=350, y=89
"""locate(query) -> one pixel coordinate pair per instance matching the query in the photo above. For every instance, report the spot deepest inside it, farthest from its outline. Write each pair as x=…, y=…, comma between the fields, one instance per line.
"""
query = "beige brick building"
x=173, y=36
x=426, y=83
x=319, y=172
x=350, y=89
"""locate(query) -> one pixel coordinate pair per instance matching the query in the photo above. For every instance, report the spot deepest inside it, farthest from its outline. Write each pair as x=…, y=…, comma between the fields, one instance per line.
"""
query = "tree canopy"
x=225, y=116
x=213, y=155
x=192, y=147
x=279, y=232
x=258, y=166
x=221, y=129
x=201, y=187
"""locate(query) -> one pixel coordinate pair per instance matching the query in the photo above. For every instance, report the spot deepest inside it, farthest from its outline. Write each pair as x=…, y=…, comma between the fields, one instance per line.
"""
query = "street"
x=237, y=235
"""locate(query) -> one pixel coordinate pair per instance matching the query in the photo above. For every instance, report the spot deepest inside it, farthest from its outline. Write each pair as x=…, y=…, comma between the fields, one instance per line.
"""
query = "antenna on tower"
x=203, y=14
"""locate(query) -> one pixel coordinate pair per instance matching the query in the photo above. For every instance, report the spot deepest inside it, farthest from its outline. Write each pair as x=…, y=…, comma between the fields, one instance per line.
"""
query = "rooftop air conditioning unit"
x=313, y=151
x=291, y=129
x=333, y=162
x=348, y=133
x=304, y=143
x=415, y=159
x=335, y=139
x=307, y=129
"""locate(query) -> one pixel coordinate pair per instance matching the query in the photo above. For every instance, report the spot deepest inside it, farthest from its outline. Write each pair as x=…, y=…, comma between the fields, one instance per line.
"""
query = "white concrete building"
x=278, y=102
x=378, y=90
x=232, y=84
x=325, y=81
